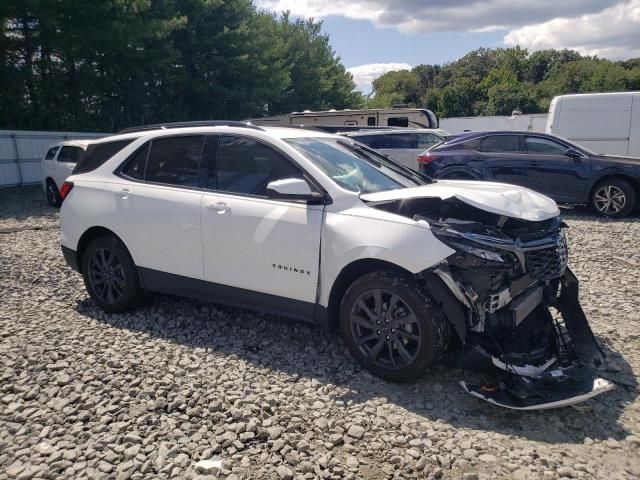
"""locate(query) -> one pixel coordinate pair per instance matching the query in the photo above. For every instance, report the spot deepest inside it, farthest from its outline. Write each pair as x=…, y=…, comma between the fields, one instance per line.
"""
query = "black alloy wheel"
x=110, y=275
x=53, y=195
x=385, y=329
x=392, y=326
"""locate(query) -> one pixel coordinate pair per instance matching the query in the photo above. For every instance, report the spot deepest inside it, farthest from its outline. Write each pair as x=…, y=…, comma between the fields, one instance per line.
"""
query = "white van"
x=604, y=122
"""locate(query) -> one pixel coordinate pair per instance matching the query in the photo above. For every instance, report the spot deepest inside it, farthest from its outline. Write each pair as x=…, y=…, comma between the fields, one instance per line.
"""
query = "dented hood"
x=498, y=198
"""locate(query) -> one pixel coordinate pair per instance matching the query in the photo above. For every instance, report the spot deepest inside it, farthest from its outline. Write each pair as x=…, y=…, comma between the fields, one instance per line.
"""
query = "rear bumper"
x=70, y=257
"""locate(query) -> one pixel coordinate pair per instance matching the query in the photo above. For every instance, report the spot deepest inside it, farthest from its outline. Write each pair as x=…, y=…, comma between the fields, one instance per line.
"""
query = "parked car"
x=318, y=227
x=567, y=172
x=57, y=165
x=402, y=145
x=604, y=122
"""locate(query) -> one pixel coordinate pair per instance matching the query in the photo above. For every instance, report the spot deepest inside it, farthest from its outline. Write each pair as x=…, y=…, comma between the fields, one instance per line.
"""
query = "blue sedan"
x=564, y=171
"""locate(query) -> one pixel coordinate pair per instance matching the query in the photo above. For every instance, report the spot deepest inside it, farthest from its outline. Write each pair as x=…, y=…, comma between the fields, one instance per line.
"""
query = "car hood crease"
x=498, y=198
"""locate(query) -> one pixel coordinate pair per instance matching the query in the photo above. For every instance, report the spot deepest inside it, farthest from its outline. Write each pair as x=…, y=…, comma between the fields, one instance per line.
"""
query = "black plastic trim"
x=70, y=257
x=168, y=283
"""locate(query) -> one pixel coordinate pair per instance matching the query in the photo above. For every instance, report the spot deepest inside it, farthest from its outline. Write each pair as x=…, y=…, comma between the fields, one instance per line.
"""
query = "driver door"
x=550, y=171
x=258, y=251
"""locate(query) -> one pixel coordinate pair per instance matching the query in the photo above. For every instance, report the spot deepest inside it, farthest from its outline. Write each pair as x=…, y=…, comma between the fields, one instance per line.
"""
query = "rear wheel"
x=613, y=197
x=110, y=275
x=53, y=195
x=392, y=327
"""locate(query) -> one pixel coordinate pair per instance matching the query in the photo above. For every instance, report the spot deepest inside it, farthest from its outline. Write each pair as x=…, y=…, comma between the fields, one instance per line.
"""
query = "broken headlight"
x=482, y=252
x=464, y=245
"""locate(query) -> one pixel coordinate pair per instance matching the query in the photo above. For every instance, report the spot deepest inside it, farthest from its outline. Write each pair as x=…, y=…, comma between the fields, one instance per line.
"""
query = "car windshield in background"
x=351, y=168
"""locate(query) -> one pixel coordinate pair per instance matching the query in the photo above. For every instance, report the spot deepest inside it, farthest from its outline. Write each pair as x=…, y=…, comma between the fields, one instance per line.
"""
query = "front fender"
x=348, y=237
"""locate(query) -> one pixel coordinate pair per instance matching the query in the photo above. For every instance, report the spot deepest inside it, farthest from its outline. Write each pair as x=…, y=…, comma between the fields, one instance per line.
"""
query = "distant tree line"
x=104, y=64
x=499, y=81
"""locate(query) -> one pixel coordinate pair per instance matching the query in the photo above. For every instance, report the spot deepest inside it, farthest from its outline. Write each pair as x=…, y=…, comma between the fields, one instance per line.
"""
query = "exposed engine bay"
x=515, y=308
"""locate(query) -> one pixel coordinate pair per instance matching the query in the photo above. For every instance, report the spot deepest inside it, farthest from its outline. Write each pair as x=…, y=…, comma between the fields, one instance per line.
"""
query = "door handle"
x=124, y=193
x=218, y=207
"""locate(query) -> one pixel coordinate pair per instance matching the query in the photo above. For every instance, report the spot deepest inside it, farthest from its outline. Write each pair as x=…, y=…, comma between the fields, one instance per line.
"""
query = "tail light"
x=66, y=188
x=427, y=158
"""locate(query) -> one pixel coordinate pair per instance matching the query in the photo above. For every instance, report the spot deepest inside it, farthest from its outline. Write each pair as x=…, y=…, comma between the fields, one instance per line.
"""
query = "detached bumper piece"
x=567, y=379
x=553, y=390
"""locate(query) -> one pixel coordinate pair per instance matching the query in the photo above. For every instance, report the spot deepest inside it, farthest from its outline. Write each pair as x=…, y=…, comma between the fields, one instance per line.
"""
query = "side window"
x=371, y=121
x=175, y=160
x=247, y=166
x=70, y=154
x=98, y=153
x=400, y=140
x=398, y=122
x=543, y=146
x=136, y=163
x=51, y=153
x=500, y=144
x=426, y=140
x=372, y=141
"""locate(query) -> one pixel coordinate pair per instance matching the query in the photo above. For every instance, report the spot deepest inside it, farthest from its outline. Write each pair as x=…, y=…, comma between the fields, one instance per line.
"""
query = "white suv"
x=57, y=164
x=317, y=227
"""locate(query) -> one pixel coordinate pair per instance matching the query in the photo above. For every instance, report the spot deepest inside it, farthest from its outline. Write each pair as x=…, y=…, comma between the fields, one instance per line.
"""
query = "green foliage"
x=499, y=81
x=105, y=64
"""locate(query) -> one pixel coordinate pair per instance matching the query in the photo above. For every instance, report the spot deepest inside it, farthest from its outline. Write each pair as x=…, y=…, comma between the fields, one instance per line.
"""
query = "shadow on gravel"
x=304, y=351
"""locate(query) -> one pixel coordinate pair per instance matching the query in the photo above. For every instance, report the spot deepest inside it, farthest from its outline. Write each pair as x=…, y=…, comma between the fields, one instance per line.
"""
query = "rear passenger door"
x=502, y=159
x=159, y=197
x=259, y=251
x=400, y=147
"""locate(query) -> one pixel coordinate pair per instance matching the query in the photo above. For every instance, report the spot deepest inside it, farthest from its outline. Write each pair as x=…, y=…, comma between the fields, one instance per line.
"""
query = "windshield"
x=352, y=167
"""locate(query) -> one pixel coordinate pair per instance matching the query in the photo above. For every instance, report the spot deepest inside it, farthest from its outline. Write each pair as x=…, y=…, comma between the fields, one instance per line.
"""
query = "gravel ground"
x=84, y=394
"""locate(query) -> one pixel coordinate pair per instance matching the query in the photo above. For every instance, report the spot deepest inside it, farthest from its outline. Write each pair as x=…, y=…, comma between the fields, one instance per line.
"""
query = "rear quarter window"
x=98, y=153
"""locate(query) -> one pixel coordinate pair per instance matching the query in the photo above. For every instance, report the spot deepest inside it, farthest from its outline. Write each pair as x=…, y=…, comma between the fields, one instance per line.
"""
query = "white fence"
x=21, y=152
x=535, y=122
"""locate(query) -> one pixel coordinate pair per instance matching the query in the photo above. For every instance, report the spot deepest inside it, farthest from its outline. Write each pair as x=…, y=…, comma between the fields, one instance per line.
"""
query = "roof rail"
x=198, y=123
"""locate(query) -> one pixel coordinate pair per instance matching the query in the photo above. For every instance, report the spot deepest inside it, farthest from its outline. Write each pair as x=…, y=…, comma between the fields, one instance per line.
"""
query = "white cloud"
x=612, y=33
x=607, y=28
x=363, y=75
x=441, y=15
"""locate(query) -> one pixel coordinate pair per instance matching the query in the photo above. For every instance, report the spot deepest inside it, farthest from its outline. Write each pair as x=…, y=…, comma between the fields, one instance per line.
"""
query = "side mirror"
x=292, y=189
x=572, y=153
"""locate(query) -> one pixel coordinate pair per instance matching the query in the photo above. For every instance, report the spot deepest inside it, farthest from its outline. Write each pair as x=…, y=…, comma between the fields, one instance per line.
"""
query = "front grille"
x=548, y=263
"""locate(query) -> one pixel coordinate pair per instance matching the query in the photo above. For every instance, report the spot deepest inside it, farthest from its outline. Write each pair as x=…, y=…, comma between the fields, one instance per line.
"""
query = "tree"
x=104, y=65
x=499, y=81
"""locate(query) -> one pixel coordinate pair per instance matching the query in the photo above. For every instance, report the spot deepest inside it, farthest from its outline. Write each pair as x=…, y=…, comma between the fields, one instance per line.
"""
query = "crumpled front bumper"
x=556, y=386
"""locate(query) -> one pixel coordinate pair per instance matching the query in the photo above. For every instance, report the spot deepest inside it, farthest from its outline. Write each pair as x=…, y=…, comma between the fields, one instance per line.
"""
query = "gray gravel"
x=84, y=394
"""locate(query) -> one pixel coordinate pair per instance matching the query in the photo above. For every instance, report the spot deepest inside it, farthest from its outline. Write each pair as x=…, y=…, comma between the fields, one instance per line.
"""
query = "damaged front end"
x=517, y=309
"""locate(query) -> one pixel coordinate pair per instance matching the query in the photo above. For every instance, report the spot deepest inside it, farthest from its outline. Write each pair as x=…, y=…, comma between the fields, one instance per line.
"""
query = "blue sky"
x=359, y=42
x=376, y=36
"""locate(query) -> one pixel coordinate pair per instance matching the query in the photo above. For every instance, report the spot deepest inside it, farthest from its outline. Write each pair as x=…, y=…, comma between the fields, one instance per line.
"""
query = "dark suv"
x=552, y=165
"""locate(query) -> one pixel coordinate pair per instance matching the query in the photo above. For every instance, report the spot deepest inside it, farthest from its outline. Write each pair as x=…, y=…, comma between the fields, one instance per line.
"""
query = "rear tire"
x=613, y=197
x=53, y=195
x=392, y=327
x=110, y=276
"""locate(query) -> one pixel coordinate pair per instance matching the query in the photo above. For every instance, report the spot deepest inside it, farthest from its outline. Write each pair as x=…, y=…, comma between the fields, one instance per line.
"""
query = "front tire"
x=53, y=195
x=613, y=197
x=110, y=276
x=392, y=327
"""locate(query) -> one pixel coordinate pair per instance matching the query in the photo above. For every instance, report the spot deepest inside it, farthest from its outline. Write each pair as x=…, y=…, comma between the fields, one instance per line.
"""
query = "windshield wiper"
x=387, y=162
